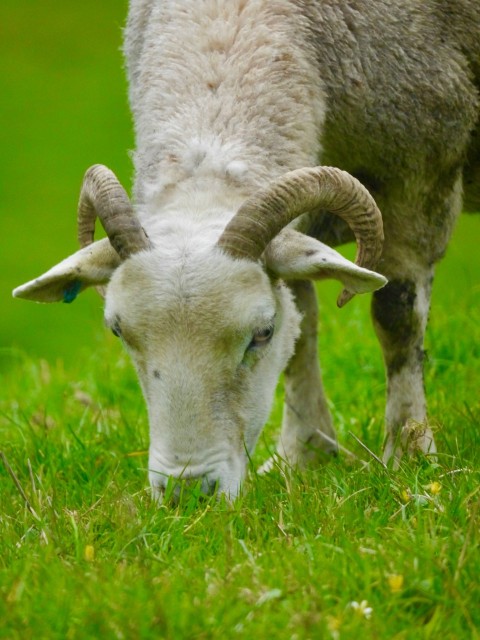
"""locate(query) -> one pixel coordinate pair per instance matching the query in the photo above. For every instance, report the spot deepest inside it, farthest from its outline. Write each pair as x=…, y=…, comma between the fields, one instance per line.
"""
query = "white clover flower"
x=361, y=608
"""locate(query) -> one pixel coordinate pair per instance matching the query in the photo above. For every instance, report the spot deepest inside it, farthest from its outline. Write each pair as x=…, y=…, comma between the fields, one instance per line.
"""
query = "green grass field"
x=85, y=553
x=350, y=551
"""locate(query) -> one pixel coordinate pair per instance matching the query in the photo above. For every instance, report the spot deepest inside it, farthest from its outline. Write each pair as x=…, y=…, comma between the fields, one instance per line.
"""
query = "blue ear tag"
x=72, y=291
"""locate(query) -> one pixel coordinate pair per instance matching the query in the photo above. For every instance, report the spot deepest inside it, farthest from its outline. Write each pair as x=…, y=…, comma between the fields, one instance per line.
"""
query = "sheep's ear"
x=294, y=256
x=92, y=265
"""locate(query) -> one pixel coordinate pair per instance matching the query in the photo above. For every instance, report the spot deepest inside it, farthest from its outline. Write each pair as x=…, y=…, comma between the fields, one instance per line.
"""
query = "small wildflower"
x=434, y=488
x=406, y=495
x=362, y=609
x=89, y=553
x=334, y=625
x=395, y=582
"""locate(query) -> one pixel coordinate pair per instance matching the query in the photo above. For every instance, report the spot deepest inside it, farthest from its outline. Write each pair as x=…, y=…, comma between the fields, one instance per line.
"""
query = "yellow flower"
x=395, y=582
x=89, y=553
x=405, y=495
x=434, y=488
x=334, y=625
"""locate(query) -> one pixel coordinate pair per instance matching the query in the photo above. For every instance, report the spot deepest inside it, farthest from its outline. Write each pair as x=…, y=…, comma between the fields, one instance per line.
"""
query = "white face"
x=209, y=337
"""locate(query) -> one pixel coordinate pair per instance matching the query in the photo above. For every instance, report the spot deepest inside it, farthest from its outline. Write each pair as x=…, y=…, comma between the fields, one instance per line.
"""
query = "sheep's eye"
x=261, y=337
x=116, y=330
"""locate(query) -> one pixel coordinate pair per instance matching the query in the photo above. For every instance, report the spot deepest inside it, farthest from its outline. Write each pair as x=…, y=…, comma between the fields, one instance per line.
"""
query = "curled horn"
x=262, y=216
x=103, y=196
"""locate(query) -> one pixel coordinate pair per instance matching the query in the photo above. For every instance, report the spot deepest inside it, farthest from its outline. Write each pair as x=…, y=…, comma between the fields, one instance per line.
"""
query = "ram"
x=240, y=108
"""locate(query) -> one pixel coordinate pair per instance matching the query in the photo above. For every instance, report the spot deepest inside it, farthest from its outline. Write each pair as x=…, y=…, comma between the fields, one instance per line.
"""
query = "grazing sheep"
x=235, y=104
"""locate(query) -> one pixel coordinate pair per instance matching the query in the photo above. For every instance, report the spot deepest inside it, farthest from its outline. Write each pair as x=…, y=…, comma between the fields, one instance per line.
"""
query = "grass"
x=83, y=551
x=85, y=554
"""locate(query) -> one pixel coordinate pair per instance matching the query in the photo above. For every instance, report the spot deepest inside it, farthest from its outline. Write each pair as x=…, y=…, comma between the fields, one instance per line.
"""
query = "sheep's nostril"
x=178, y=489
x=158, y=493
x=212, y=487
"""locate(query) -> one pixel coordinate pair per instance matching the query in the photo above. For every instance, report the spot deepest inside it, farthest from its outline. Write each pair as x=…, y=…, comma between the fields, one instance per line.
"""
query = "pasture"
x=352, y=550
x=85, y=553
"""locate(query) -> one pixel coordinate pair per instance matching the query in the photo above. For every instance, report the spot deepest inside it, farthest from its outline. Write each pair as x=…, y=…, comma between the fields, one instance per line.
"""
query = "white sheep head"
x=210, y=324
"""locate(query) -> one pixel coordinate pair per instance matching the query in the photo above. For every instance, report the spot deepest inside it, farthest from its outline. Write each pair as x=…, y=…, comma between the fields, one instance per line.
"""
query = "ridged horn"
x=103, y=196
x=262, y=216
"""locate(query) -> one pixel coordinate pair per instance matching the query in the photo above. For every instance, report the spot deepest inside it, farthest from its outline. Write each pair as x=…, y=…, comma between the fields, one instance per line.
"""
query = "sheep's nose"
x=177, y=488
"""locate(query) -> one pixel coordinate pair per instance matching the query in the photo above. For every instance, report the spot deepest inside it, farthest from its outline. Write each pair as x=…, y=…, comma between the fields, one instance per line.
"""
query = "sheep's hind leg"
x=400, y=313
x=307, y=438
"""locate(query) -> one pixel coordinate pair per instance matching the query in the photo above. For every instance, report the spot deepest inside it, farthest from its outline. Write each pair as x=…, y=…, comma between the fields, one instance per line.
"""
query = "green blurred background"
x=63, y=107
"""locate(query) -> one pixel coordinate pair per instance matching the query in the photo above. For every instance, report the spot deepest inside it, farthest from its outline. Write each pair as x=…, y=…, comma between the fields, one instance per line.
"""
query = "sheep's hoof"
x=412, y=439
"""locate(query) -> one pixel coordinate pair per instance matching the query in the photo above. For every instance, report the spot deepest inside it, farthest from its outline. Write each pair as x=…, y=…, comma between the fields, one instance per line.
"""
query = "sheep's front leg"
x=400, y=313
x=307, y=436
